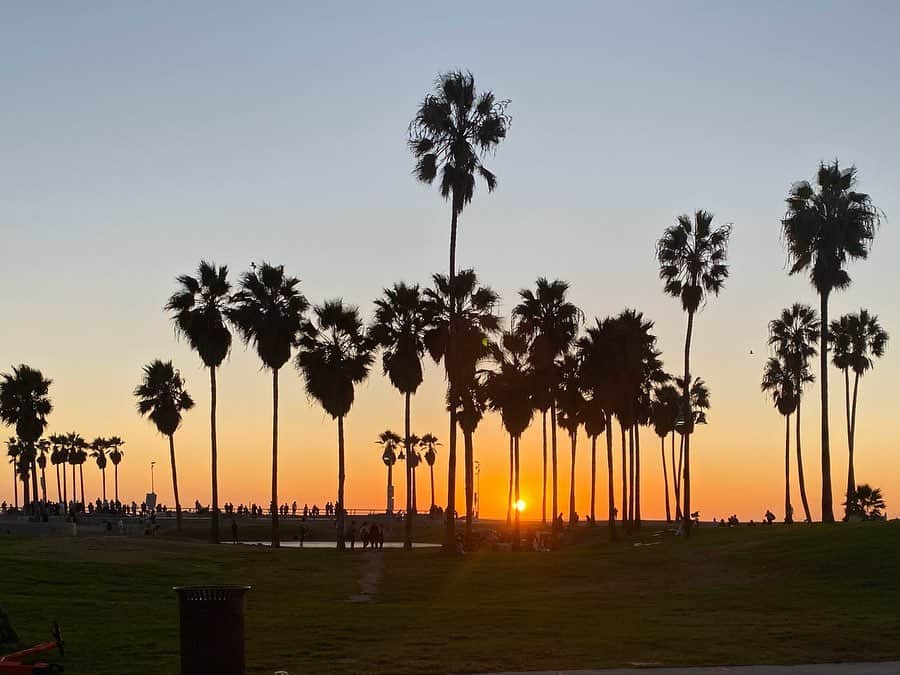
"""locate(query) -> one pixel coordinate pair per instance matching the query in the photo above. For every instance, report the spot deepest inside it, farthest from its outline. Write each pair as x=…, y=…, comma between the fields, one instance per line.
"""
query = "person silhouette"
x=234, y=531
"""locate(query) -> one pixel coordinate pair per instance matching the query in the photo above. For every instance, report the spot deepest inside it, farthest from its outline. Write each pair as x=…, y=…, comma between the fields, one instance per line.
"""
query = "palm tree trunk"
x=34, y=483
x=851, y=439
x=81, y=480
x=800, y=467
x=74, y=489
x=387, y=502
x=58, y=485
x=637, y=475
x=788, y=509
x=276, y=541
x=116, y=479
x=175, y=482
x=689, y=419
x=26, y=496
x=676, y=477
x=15, y=486
x=593, y=479
x=65, y=494
x=509, y=500
x=631, y=474
x=553, y=464
x=214, y=460
x=470, y=483
x=408, y=520
x=611, y=503
x=624, y=479
x=827, y=510
x=450, y=359
x=544, y=465
x=431, y=470
x=662, y=452
x=44, y=483
x=517, y=536
x=103, y=478
x=574, y=438
x=340, y=492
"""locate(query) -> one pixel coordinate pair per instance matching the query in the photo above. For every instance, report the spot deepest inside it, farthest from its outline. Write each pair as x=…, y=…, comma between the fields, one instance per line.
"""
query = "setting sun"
x=520, y=505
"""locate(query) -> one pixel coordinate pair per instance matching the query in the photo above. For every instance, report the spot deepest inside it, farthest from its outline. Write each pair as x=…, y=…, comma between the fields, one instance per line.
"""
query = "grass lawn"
x=728, y=596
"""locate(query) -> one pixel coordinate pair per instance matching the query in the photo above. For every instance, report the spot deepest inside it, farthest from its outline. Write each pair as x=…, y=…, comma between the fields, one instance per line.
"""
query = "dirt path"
x=371, y=575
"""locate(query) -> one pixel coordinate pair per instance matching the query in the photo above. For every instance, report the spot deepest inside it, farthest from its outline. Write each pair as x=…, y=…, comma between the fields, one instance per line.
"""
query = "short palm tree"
x=75, y=445
x=793, y=338
x=25, y=404
x=268, y=312
x=429, y=443
x=399, y=329
x=825, y=227
x=857, y=340
x=81, y=456
x=472, y=401
x=59, y=455
x=389, y=441
x=663, y=416
x=473, y=320
x=115, y=456
x=692, y=257
x=199, y=309
x=570, y=402
x=594, y=420
x=162, y=398
x=13, y=450
x=413, y=459
x=452, y=131
x=335, y=356
x=99, y=447
x=547, y=318
x=778, y=382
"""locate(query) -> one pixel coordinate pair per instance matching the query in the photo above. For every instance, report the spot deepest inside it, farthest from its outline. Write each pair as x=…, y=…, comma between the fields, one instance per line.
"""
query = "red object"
x=12, y=663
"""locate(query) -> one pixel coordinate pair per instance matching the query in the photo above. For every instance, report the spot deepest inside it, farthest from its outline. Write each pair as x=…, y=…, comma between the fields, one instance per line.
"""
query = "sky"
x=138, y=138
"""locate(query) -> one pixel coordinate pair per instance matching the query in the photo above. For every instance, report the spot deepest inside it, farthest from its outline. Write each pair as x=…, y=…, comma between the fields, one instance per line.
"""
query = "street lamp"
x=477, y=485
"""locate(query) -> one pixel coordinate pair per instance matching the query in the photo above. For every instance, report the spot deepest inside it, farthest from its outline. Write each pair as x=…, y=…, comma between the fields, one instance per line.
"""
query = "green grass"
x=749, y=595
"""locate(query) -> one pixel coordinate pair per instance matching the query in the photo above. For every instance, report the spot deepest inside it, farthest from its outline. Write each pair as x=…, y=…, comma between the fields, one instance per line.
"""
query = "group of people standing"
x=369, y=534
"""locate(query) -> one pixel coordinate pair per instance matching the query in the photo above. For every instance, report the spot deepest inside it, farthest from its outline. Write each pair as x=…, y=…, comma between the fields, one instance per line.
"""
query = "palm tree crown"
x=161, y=396
x=399, y=329
x=547, y=318
x=25, y=402
x=199, y=308
x=857, y=339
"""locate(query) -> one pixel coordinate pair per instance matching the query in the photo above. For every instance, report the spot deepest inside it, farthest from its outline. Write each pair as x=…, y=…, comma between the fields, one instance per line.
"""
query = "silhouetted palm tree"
x=389, y=441
x=43, y=449
x=99, y=446
x=429, y=443
x=199, y=309
x=857, y=340
x=472, y=319
x=692, y=261
x=778, y=381
x=13, y=450
x=115, y=456
x=25, y=404
x=570, y=402
x=664, y=415
x=268, y=312
x=59, y=455
x=452, y=130
x=825, y=227
x=550, y=321
x=399, y=329
x=76, y=444
x=792, y=336
x=472, y=400
x=335, y=356
x=161, y=397
x=413, y=459
x=867, y=502
x=594, y=420
x=509, y=393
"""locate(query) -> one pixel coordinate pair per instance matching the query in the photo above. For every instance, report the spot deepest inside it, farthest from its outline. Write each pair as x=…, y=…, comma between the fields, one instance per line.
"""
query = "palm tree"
x=594, y=420
x=13, y=450
x=570, y=402
x=472, y=401
x=43, y=449
x=59, y=455
x=453, y=129
x=857, y=339
x=692, y=262
x=413, y=459
x=76, y=444
x=115, y=456
x=471, y=319
x=268, y=312
x=199, y=308
x=551, y=322
x=778, y=381
x=25, y=404
x=664, y=415
x=792, y=336
x=399, y=329
x=389, y=441
x=81, y=456
x=866, y=502
x=162, y=398
x=824, y=228
x=335, y=356
x=99, y=446
x=509, y=393
x=429, y=443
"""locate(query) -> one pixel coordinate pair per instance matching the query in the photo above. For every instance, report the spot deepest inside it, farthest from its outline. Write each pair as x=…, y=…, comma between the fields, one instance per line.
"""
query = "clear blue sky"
x=136, y=138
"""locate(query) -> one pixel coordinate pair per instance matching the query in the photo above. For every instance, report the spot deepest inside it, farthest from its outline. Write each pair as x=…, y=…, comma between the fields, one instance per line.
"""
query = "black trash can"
x=211, y=631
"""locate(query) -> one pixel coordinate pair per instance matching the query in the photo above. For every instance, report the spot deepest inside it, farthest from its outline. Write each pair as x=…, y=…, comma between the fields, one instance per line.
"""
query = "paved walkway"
x=885, y=668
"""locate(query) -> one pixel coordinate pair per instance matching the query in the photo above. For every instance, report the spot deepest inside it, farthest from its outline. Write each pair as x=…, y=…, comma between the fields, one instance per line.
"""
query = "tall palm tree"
x=99, y=446
x=162, y=398
x=399, y=329
x=335, y=356
x=25, y=404
x=551, y=322
x=664, y=415
x=268, y=312
x=793, y=336
x=692, y=262
x=824, y=227
x=471, y=319
x=115, y=456
x=389, y=441
x=570, y=402
x=429, y=443
x=857, y=340
x=452, y=131
x=778, y=381
x=13, y=450
x=199, y=308
x=509, y=394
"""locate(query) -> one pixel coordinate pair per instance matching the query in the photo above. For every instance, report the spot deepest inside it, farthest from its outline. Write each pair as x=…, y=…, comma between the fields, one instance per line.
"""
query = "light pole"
x=152, y=482
x=477, y=485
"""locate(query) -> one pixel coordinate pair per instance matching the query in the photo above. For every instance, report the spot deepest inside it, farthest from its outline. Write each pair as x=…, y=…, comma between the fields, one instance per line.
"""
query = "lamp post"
x=152, y=482
x=477, y=486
